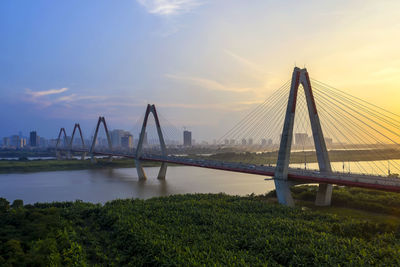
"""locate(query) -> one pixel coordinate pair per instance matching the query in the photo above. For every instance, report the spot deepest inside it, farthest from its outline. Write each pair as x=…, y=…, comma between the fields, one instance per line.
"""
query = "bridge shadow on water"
x=128, y=180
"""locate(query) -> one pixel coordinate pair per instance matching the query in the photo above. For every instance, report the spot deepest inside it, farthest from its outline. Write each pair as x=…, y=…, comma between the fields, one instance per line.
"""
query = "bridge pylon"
x=58, y=153
x=103, y=121
x=77, y=126
x=282, y=184
x=163, y=169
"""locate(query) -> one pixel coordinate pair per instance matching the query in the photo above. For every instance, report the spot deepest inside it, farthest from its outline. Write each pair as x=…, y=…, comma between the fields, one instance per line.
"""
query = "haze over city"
x=199, y=133
x=203, y=63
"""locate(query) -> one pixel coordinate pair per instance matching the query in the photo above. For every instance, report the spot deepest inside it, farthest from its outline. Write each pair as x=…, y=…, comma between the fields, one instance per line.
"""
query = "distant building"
x=244, y=142
x=232, y=141
x=263, y=142
x=301, y=139
x=127, y=141
x=23, y=142
x=116, y=136
x=33, y=139
x=187, y=138
x=6, y=142
x=328, y=141
x=44, y=143
x=15, y=141
x=52, y=142
x=226, y=142
x=250, y=141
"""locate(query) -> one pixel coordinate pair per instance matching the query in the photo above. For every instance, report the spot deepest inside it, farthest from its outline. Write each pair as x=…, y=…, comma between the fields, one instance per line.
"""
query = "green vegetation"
x=12, y=166
x=373, y=201
x=200, y=229
x=310, y=156
x=24, y=153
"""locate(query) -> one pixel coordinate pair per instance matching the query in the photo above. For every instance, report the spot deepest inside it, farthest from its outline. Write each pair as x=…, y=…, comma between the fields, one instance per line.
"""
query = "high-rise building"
x=263, y=142
x=187, y=138
x=43, y=141
x=244, y=142
x=250, y=141
x=33, y=142
x=116, y=136
x=301, y=138
x=23, y=142
x=127, y=141
x=6, y=141
x=15, y=141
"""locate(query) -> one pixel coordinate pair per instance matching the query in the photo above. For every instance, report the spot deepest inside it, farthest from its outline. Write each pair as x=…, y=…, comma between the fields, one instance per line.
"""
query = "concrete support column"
x=163, y=171
x=324, y=195
x=282, y=185
x=140, y=171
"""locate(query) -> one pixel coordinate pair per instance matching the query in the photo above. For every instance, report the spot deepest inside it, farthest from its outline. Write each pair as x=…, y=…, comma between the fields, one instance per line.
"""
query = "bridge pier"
x=140, y=171
x=324, y=195
x=283, y=193
x=163, y=171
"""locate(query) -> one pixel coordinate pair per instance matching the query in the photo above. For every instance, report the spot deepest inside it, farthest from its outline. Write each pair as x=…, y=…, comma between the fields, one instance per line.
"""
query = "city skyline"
x=72, y=62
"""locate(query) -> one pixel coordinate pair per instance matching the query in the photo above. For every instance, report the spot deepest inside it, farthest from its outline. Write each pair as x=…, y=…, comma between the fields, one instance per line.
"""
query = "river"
x=102, y=185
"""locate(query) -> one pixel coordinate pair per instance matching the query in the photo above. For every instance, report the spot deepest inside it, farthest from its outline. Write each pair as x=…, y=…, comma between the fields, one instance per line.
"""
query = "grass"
x=347, y=202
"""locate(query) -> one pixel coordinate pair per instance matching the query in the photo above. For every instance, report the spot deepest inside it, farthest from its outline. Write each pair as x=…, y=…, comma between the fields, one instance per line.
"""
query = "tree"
x=18, y=203
x=4, y=205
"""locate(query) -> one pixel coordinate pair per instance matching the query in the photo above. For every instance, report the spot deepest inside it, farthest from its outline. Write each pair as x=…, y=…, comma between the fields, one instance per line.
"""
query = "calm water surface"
x=100, y=186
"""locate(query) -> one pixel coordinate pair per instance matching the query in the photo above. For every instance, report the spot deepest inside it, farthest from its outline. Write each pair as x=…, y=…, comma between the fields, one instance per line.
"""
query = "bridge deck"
x=296, y=175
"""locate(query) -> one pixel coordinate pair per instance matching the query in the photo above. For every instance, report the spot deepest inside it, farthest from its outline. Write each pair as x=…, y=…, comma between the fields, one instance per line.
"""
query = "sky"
x=203, y=63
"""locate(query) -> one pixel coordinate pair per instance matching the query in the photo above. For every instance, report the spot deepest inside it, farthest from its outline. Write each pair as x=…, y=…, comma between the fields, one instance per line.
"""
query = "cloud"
x=208, y=84
x=75, y=98
x=169, y=7
x=45, y=93
x=253, y=66
x=390, y=71
x=232, y=106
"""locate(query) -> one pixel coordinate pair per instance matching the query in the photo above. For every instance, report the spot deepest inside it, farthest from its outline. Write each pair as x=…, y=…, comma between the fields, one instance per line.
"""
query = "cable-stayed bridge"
x=273, y=140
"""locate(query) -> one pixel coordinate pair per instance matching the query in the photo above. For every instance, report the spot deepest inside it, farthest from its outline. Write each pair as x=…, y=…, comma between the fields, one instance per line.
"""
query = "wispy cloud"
x=207, y=83
x=253, y=66
x=74, y=98
x=232, y=106
x=45, y=93
x=169, y=7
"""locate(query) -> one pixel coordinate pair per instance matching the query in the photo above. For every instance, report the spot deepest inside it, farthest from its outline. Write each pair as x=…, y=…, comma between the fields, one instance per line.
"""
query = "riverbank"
x=16, y=166
x=198, y=229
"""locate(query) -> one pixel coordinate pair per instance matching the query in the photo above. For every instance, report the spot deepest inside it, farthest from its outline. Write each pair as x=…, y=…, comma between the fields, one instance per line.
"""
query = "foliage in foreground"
x=188, y=230
x=352, y=197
